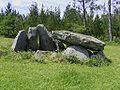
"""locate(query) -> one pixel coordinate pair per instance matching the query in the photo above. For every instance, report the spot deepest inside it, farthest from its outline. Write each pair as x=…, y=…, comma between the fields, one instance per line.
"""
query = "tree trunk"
x=110, y=21
x=84, y=14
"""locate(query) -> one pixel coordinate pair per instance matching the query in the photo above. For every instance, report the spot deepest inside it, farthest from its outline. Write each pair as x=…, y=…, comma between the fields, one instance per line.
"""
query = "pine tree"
x=32, y=18
x=98, y=31
x=8, y=9
x=50, y=22
x=92, y=6
x=42, y=16
x=11, y=23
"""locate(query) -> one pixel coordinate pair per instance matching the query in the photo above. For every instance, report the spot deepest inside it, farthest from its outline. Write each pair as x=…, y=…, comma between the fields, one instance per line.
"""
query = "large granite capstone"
x=85, y=41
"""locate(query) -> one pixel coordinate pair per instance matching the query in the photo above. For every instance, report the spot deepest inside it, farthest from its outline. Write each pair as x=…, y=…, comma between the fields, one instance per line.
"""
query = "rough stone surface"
x=60, y=46
x=39, y=54
x=86, y=41
x=76, y=51
x=33, y=38
x=45, y=39
x=98, y=55
x=20, y=42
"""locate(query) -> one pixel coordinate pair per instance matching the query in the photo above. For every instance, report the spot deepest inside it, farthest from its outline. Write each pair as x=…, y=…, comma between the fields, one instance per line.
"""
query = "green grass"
x=19, y=72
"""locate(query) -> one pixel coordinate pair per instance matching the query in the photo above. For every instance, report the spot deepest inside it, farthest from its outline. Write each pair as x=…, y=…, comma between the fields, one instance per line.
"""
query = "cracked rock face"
x=86, y=41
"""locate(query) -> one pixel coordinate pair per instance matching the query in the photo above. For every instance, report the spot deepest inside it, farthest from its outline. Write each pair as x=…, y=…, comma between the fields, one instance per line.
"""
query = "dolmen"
x=71, y=44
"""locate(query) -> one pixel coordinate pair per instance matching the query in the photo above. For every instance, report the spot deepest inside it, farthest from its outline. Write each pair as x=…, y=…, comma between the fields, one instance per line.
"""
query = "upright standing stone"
x=33, y=38
x=46, y=42
x=21, y=41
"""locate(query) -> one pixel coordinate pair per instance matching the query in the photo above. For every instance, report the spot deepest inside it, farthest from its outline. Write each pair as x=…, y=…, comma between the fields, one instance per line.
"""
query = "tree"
x=116, y=6
x=110, y=21
x=50, y=20
x=11, y=22
x=87, y=5
x=116, y=26
x=71, y=16
x=53, y=21
x=32, y=18
x=42, y=16
x=2, y=15
x=98, y=31
x=84, y=13
x=8, y=9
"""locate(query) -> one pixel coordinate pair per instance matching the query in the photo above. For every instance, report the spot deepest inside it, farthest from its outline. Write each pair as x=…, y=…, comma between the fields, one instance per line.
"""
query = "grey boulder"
x=86, y=41
x=76, y=51
x=20, y=42
x=33, y=38
x=46, y=42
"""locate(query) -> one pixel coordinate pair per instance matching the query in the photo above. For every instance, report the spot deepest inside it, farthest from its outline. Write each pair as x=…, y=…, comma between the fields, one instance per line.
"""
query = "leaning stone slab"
x=20, y=42
x=33, y=38
x=46, y=42
x=86, y=41
x=76, y=51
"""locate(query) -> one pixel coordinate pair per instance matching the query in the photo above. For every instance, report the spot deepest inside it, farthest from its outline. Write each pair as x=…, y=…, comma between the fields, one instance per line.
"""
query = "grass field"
x=18, y=73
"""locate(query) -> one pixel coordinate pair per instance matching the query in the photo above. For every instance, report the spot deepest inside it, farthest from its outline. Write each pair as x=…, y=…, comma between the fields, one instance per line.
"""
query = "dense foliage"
x=11, y=21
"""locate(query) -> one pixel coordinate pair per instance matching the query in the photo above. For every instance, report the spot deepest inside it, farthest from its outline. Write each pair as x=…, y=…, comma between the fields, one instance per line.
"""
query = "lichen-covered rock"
x=20, y=42
x=33, y=38
x=46, y=42
x=76, y=51
x=86, y=41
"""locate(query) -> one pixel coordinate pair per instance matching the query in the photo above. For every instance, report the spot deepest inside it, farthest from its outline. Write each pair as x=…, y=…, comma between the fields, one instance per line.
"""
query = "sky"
x=23, y=5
